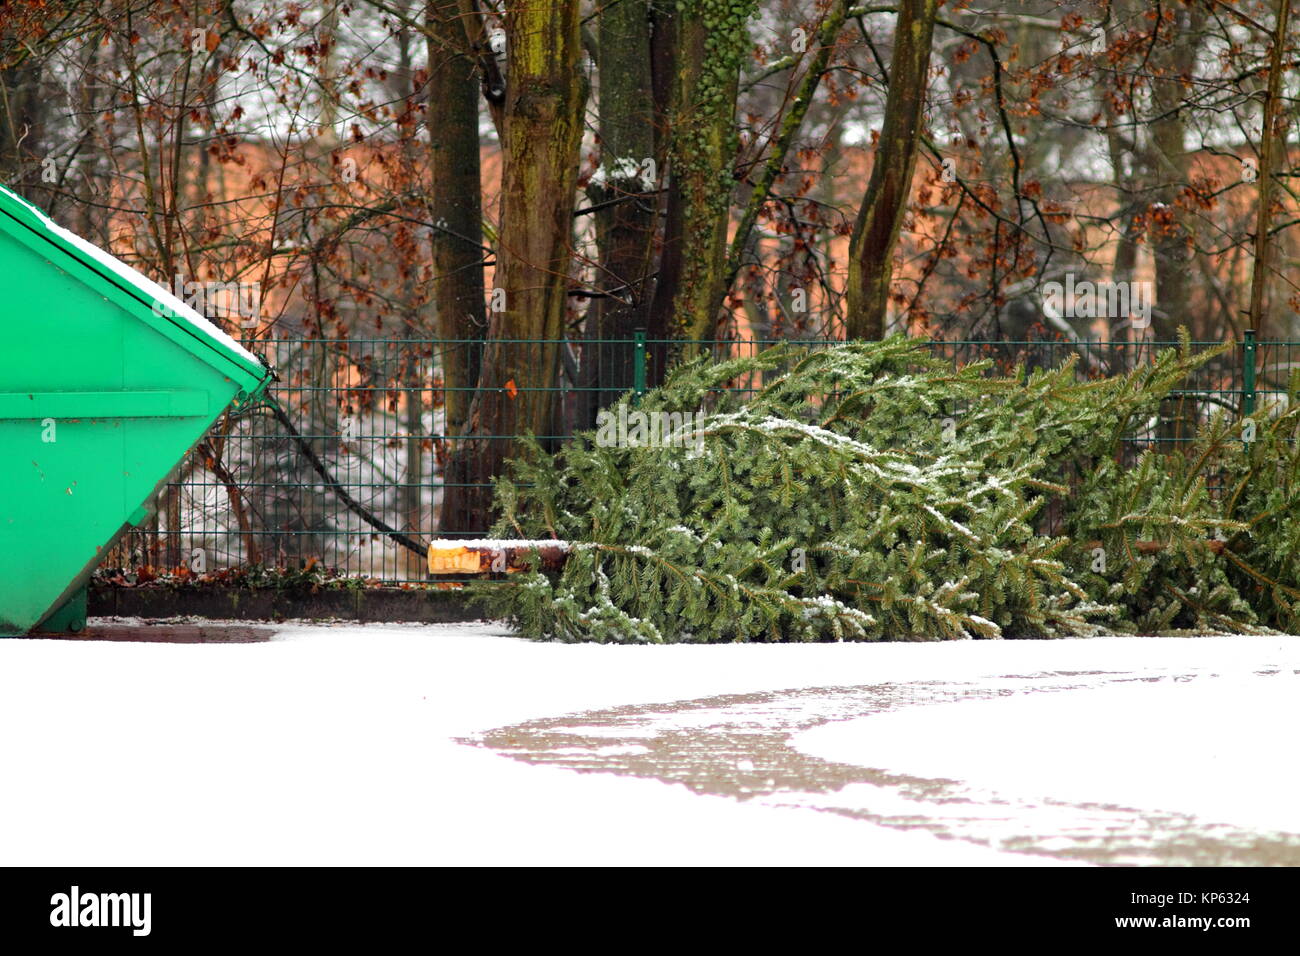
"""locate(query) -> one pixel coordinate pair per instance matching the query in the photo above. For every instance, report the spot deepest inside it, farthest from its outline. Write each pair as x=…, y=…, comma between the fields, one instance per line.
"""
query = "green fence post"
x=1248, y=374
x=638, y=363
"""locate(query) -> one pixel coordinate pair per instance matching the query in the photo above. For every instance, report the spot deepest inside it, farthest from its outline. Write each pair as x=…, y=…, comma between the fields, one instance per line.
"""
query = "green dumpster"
x=106, y=382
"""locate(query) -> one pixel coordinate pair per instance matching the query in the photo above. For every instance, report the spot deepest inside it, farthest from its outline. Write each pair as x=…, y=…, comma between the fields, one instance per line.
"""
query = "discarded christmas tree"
x=869, y=491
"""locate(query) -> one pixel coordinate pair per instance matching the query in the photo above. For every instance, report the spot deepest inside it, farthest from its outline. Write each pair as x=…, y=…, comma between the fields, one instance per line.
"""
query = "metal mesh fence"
x=372, y=411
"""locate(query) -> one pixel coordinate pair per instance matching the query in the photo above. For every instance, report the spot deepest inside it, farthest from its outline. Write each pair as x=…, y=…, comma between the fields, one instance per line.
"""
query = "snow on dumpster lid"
x=165, y=303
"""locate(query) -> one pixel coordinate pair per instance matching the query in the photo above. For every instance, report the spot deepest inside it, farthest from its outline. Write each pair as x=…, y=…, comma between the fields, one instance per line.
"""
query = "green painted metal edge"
x=147, y=403
x=69, y=618
x=30, y=226
x=69, y=607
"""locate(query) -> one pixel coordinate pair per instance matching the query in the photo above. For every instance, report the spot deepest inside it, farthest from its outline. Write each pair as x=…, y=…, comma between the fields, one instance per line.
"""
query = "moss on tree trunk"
x=543, y=128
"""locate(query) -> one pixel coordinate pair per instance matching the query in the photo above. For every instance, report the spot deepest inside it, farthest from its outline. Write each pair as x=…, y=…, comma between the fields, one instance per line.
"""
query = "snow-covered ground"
x=356, y=744
x=1217, y=748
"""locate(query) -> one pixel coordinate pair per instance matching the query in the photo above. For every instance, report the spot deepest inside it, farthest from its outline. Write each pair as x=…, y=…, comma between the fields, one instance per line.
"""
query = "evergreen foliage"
x=871, y=491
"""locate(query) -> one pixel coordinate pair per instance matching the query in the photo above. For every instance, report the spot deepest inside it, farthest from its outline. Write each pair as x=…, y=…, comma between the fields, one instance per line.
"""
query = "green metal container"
x=107, y=380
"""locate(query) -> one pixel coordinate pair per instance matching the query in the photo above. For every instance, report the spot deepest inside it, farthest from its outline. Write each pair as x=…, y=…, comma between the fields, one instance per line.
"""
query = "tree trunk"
x=516, y=390
x=412, y=497
x=875, y=234
x=704, y=86
x=1170, y=166
x=781, y=143
x=1124, y=267
x=1270, y=135
x=412, y=372
x=625, y=226
x=455, y=207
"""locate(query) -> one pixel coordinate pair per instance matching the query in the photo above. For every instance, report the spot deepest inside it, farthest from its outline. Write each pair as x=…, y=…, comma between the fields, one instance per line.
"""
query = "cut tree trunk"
x=475, y=557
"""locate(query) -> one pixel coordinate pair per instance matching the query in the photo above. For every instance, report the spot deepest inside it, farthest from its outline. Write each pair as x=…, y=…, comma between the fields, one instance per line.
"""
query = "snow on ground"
x=1219, y=748
x=339, y=745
